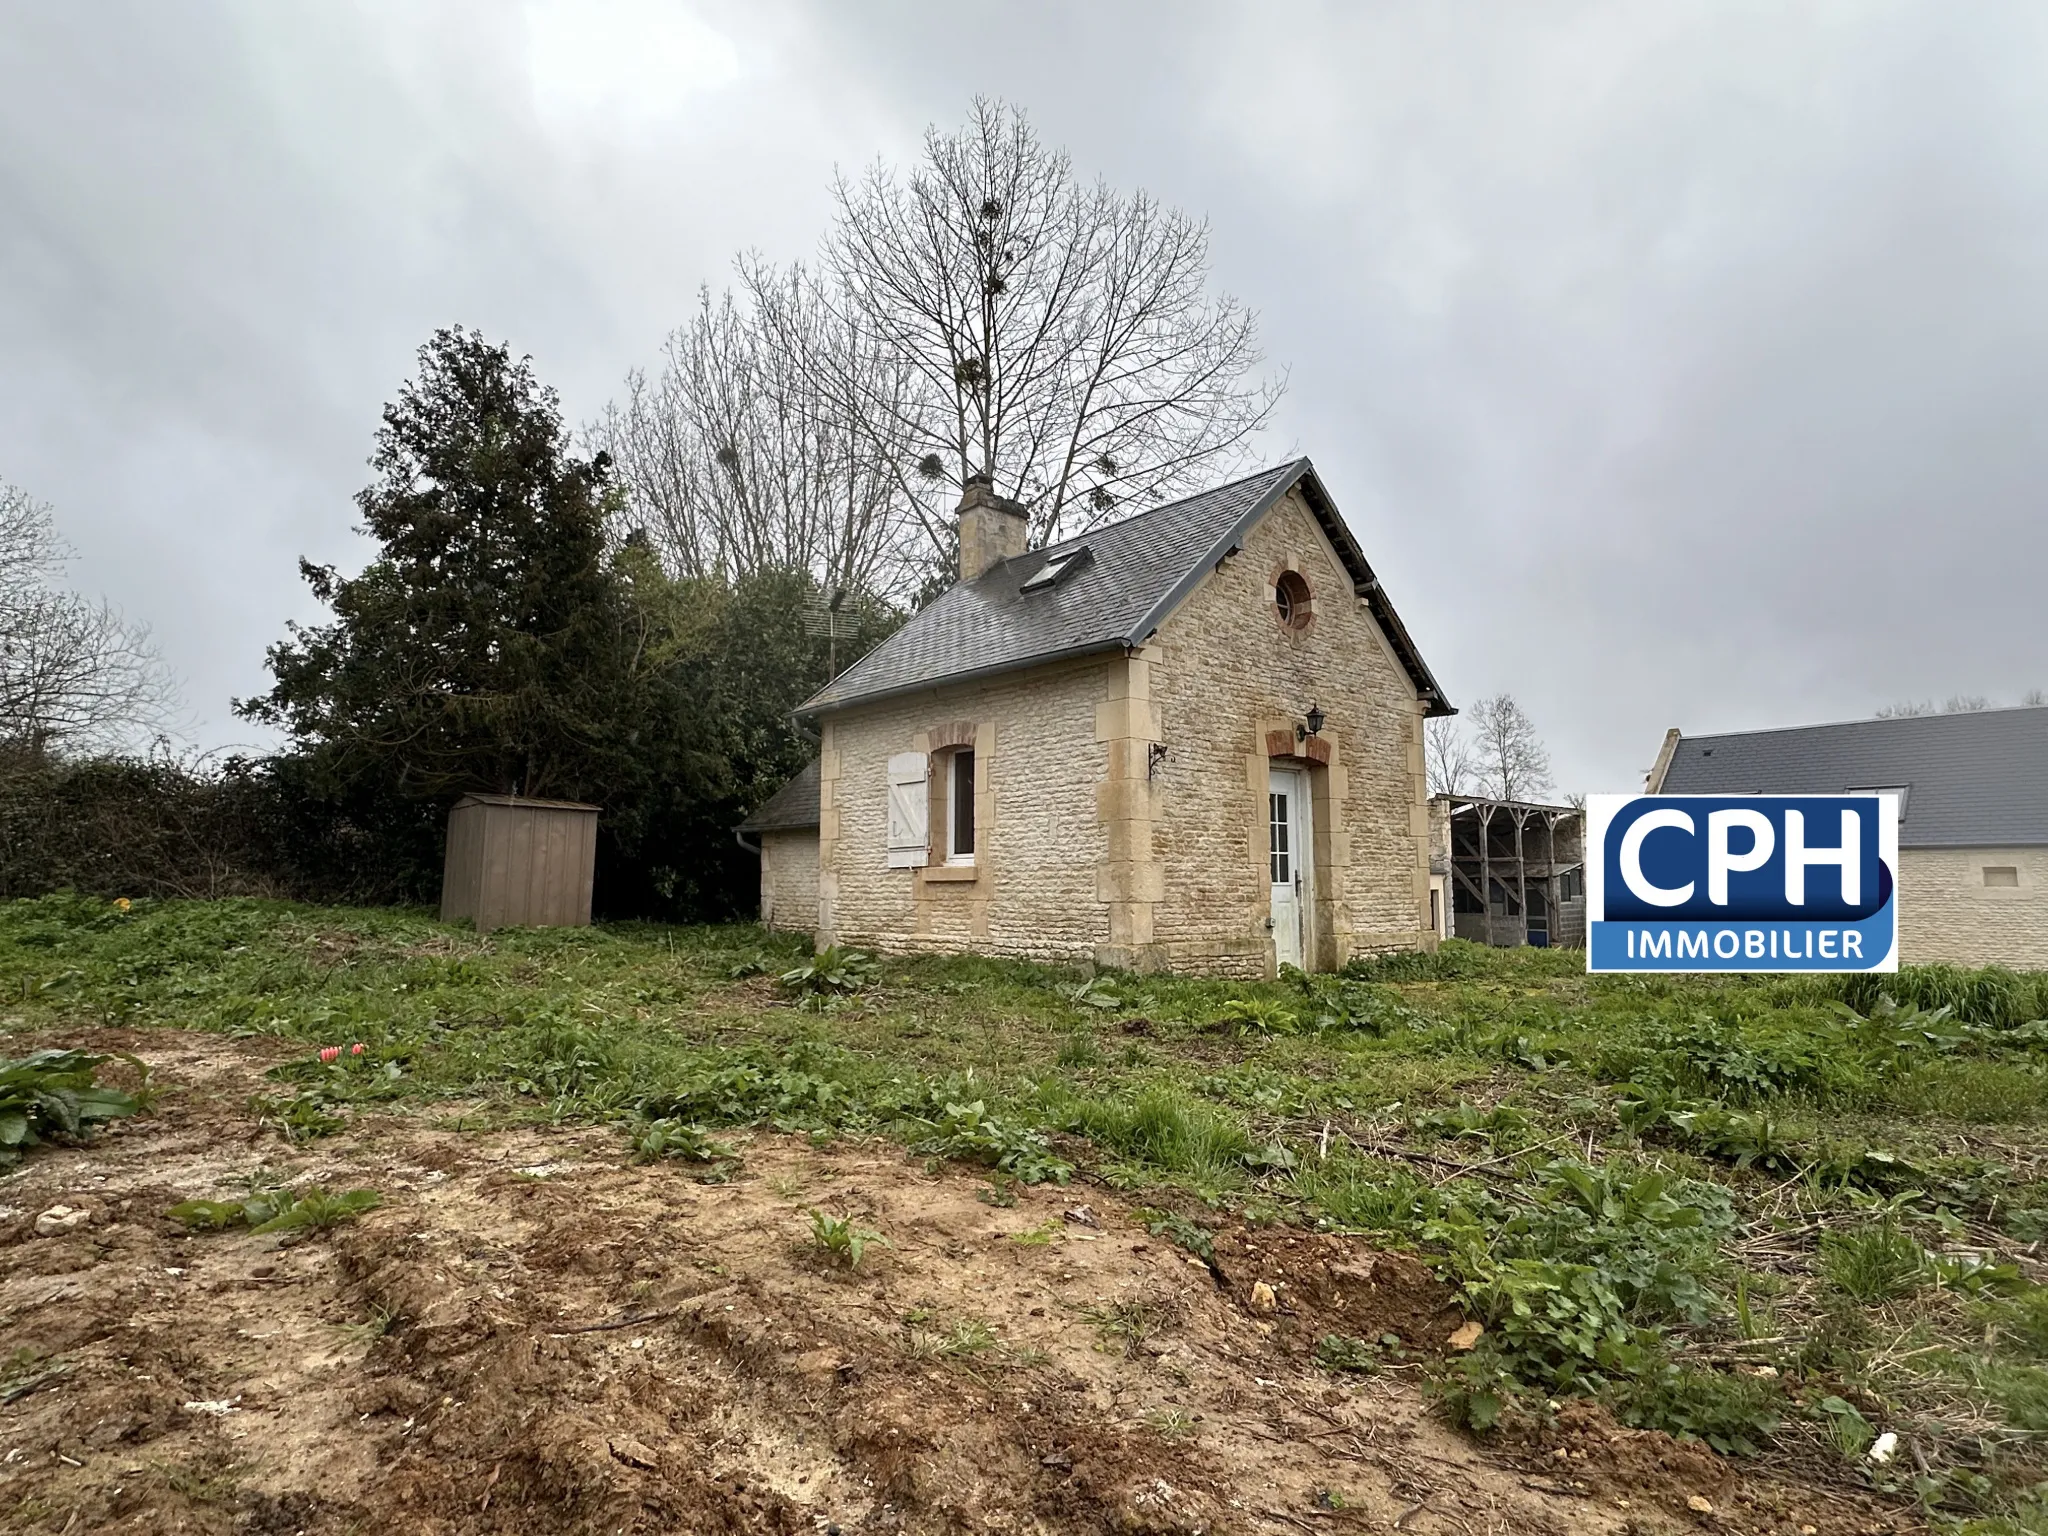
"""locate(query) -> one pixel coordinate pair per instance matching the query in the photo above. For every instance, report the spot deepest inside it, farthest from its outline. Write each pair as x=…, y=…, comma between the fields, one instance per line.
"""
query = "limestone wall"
x=1031, y=891
x=1094, y=846
x=1948, y=911
x=789, y=880
x=1229, y=682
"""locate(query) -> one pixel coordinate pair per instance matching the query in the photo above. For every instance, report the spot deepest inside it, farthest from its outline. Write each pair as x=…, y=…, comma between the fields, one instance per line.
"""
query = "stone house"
x=784, y=833
x=1973, y=817
x=1188, y=740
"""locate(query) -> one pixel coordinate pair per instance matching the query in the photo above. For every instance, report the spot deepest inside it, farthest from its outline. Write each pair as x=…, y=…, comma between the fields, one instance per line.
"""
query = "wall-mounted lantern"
x=1314, y=726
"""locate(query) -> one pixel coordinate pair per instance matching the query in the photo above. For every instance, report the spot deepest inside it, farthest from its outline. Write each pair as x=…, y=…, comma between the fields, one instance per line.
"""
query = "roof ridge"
x=1144, y=566
x=1878, y=720
x=1164, y=506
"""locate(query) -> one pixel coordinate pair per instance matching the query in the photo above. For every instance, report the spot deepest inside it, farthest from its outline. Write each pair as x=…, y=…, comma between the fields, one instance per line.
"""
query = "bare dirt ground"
x=534, y=1335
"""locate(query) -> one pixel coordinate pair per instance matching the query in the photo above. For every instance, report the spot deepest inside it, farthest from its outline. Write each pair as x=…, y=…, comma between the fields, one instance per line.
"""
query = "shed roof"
x=526, y=802
x=1453, y=804
x=1978, y=779
x=792, y=808
x=1138, y=571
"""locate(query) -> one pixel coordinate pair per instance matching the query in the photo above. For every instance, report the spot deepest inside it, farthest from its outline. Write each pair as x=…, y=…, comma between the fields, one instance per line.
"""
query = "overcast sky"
x=1674, y=363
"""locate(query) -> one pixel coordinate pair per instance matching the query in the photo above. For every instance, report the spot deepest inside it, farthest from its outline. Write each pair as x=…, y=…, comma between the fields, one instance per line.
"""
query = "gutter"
x=740, y=837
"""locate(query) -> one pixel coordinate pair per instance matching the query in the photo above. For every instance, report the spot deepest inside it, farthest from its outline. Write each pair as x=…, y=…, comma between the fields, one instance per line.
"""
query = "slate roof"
x=1978, y=779
x=1139, y=570
x=792, y=808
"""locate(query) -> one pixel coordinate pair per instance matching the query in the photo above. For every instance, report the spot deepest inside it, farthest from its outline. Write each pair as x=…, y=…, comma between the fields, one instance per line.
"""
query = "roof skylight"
x=1056, y=569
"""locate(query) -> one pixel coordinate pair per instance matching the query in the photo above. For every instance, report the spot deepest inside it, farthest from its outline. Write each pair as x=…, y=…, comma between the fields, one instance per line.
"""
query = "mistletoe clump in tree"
x=985, y=310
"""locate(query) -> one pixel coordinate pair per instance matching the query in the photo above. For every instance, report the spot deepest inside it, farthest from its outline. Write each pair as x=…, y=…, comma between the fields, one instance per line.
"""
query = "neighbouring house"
x=1191, y=739
x=1973, y=815
x=1506, y=872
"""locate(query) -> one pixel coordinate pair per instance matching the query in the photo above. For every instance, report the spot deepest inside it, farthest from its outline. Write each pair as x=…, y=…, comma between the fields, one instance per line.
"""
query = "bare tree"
x=986, y=312
x=1448, y=756
x=2034, y=696
x=738, y=457
x=1059, y=336
x=74, y=675
x=1513, y=764
x=1954, y=704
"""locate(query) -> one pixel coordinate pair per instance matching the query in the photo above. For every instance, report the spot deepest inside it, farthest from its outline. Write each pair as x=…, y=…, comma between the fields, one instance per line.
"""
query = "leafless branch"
x=1059, y=335
x=988, y=311
x=1512, y=761
x=740, y=454
x=74, y=675
x=1448, y=755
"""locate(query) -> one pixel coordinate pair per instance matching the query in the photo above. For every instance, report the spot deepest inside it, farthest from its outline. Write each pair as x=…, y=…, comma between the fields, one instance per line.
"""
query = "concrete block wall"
x=1947, y=911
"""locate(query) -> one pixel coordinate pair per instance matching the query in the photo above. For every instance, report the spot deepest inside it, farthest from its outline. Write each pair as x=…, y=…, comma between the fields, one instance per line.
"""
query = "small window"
x=960, y=808
x=1885, y=789
x=1291, y=599
x=2002, y=876
x=1056, y=569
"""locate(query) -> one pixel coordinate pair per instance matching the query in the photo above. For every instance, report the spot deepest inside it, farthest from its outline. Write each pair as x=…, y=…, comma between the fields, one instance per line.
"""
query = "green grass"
x=965, y=1340
x=1875, y=1263
x=1646, y=1188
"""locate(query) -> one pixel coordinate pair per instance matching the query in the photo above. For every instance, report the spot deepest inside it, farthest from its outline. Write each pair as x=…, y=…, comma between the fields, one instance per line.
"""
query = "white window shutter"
x=909, y=800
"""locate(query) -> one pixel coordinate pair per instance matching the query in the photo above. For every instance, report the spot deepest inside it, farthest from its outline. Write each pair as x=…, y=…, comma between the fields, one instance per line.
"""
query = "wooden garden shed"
x=519, y=863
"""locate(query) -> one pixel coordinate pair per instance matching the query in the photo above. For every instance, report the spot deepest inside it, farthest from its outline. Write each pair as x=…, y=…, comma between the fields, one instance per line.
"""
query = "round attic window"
x=1291, y=599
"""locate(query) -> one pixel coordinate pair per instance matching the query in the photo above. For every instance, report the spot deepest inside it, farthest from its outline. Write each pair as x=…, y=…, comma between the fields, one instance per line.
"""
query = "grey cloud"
x=1676, y=363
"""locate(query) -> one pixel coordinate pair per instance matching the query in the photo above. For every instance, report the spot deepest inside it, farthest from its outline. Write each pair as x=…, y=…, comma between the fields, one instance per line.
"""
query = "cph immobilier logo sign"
x=1742, y=882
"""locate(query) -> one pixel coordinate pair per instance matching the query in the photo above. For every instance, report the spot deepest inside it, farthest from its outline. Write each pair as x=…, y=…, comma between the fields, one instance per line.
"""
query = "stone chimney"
x=992, y=529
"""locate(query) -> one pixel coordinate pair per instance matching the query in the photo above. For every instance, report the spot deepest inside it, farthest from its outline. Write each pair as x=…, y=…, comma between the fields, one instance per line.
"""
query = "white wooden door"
x=1288, y=837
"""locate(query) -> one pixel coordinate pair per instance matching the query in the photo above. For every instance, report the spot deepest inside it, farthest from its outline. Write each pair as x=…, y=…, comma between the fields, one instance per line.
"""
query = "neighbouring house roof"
x=1137, y=572
x=792, y=808
x=1978, y=779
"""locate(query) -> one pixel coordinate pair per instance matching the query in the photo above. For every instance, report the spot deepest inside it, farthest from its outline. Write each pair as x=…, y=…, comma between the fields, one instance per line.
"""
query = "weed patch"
x=970, y=1133
x=1644, y=1188
x=278, y=1210
x=1339, y=1352
x=1736, y=1414
x=1163, y=1131
x=830, y=973
x=1874, y=1263
x=655, y=1139
x=841, y=1241
x=303, y=1116
x=53, y=1095
x=1122, y=1326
